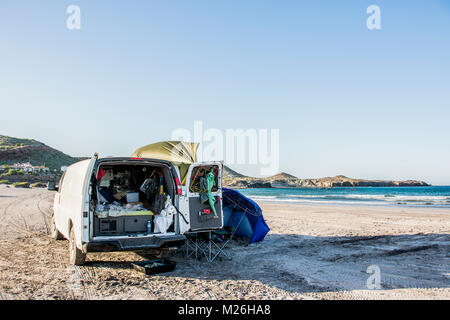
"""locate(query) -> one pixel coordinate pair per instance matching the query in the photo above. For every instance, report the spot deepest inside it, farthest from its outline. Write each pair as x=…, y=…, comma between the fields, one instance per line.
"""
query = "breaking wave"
x=405, y=196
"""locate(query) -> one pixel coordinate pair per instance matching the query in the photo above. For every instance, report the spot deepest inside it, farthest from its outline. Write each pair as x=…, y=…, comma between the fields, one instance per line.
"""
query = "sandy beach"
x=311, y=252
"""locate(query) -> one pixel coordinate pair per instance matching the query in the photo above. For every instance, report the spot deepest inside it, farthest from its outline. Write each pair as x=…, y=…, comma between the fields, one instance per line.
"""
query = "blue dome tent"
x=244, y=215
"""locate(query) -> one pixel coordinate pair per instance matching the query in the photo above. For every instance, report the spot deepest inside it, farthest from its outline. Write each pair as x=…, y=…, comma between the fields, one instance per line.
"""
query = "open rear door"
x=201, y=213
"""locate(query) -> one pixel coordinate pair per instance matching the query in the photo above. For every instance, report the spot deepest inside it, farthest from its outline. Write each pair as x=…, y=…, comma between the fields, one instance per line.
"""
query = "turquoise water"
x=438, y=196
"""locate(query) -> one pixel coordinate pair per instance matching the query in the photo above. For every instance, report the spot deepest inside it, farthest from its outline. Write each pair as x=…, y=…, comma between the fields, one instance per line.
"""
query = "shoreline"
x=437, y=197
x=335, y=188
x=341, y=220
x=350, y=204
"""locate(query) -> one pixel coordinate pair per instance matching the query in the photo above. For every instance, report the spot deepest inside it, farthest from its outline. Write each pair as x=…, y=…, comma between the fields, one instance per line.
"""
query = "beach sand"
x=311, y=252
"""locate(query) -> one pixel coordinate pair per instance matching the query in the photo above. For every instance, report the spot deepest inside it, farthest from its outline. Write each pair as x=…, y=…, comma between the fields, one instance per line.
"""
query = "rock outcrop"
x=284, y=180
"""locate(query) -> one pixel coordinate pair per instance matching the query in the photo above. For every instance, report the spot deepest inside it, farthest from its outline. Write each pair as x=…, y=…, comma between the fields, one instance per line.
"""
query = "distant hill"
x=230, y=173
x=285, y=180
x=282, y=175
x=14, y=150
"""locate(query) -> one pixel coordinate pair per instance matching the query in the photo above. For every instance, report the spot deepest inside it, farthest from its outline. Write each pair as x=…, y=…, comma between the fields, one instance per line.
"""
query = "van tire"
x=76, y=256
x=54, y=233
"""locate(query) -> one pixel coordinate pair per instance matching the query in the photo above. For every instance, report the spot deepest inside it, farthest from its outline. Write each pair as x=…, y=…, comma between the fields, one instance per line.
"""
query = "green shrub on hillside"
x=38, y=185
x=4, y=182
x=10, y=172
x=21, y=185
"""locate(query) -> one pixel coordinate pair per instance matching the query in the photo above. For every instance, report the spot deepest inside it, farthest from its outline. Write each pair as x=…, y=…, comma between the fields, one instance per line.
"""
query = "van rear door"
x=197, y=203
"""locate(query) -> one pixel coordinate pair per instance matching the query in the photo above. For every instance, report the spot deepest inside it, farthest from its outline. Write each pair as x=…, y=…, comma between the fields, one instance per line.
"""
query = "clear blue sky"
x=347, y=100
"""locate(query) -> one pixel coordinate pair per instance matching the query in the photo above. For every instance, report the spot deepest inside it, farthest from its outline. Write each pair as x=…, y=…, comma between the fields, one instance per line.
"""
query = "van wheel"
x=54, y=233
x=76, y=256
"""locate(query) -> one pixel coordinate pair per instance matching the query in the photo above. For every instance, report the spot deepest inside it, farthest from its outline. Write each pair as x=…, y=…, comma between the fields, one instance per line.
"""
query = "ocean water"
x=436, y=196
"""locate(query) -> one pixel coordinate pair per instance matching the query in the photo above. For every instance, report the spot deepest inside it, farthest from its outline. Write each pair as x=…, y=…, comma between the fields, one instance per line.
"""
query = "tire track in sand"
x=15, y=220
x=45, y=215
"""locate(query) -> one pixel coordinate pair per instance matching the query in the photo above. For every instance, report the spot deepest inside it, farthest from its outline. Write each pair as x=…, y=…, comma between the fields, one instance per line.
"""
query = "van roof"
x=134, y=159
x=85, y=162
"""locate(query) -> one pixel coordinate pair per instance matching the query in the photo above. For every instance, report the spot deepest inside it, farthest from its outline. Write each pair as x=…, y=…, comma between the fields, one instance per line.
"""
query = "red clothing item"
x=100, y=174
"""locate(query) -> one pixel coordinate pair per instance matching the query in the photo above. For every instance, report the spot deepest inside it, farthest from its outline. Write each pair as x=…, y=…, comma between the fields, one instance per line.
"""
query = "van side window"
x=199, y=178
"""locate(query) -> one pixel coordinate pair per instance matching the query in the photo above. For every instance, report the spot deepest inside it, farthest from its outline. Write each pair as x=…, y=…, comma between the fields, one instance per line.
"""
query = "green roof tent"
x=181, y=154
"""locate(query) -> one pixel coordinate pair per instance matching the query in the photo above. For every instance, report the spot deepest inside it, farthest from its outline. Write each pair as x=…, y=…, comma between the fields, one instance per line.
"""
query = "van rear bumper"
x=134, y=243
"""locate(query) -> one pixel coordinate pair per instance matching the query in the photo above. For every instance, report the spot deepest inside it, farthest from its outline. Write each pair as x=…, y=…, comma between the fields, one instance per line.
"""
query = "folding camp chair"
x=204, y=244
x=207, y=244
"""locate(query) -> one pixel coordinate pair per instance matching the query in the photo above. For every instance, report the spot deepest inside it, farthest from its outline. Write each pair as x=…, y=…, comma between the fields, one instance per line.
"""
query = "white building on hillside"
x=27, y=167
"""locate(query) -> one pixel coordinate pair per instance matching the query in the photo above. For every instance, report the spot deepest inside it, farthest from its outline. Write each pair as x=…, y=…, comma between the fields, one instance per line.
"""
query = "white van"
x=92, y=205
